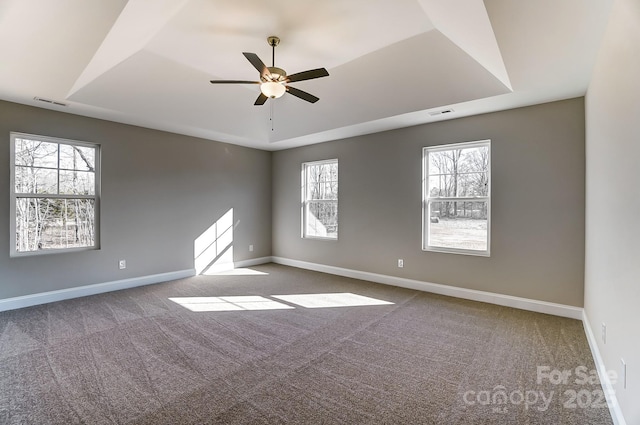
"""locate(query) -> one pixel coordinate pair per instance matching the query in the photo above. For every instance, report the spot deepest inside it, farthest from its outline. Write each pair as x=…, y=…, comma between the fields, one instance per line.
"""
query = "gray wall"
x=537, y=236
x=612, y=273
x=160, y=191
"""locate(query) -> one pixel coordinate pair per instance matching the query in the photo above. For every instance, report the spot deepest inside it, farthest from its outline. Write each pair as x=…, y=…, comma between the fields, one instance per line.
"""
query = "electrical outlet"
x=250, y=248
x=400, y=262
x=122, y=264
x=604, y=333
x=623, y=373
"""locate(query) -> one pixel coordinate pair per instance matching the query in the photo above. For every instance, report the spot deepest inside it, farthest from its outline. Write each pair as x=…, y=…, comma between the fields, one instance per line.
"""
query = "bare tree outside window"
x=456, y=205
x=54, y=194
x=320, y=199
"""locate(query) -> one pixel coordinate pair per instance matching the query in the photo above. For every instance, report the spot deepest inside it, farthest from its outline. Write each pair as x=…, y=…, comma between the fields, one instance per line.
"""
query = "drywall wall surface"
x=537, y=205
x=612, y=269
x=160, y=192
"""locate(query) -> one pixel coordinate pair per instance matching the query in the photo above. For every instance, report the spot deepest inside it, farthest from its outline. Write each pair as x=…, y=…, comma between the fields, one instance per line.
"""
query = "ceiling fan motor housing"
x=274, y=74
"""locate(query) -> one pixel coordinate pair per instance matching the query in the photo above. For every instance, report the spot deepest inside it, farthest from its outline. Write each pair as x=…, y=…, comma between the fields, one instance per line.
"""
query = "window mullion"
x=459, y=198
x=53, y=196
x=58, y=171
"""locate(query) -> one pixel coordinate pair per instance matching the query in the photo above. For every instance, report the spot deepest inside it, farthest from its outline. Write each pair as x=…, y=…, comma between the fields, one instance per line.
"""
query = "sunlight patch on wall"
x=213, y=249
x=230, y=303
x=345, y=299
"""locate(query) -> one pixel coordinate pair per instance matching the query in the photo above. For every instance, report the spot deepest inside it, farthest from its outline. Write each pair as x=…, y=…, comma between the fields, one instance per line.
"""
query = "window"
x=320, y=199
x=55, y=194
x=456, y=207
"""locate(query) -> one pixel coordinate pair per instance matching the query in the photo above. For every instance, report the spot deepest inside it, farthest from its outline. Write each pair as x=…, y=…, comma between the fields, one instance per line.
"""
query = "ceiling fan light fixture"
x=274, y=81
x=272, y=89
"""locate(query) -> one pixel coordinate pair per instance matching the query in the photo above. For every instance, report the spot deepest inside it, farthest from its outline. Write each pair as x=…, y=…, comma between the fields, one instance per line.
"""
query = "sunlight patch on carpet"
x=344, y=299
x=231, y=303
x=237, y=272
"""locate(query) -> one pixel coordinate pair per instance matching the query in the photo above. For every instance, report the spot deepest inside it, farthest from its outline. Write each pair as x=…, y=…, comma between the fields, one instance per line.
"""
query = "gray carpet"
x=136, y=357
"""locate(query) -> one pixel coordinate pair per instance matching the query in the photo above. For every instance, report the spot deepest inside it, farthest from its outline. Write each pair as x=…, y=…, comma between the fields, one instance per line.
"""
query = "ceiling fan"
x=274, y=82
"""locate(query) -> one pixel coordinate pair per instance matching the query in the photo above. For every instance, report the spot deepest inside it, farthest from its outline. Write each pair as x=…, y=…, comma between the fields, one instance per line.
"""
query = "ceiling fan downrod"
x=273, y=42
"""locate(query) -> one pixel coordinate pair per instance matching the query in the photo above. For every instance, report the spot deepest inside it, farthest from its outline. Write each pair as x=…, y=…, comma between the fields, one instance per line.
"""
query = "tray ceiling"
x=391, y=64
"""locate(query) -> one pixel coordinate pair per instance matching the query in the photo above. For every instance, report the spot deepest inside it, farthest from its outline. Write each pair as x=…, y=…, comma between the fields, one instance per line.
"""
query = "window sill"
x=15, y=254
x=458, y=251
x=320, y=238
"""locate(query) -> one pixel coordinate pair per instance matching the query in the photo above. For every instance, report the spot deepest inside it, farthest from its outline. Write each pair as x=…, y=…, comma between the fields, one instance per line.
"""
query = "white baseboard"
x=223, y=267
x=252, y=262
x=83, y=291
x=469, y=294
x=607, y=386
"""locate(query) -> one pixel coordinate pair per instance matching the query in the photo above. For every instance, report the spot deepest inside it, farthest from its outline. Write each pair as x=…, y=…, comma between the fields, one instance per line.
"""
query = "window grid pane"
x=35, y=153
x=78, y=158
x=465, y=230
x=77, y=182
x=49, y=223
x=322, y=181
x=34, y=180
x=322, y=219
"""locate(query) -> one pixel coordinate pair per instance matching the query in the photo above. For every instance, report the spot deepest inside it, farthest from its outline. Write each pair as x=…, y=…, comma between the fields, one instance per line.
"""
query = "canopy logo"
x=590, y=396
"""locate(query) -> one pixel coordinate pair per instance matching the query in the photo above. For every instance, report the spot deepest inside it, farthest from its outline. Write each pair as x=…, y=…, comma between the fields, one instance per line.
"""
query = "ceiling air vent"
x=53, y=102
x=441, y=112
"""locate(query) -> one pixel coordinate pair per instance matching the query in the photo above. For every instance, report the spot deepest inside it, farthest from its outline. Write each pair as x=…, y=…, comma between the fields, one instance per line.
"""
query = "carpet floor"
x=290, y=346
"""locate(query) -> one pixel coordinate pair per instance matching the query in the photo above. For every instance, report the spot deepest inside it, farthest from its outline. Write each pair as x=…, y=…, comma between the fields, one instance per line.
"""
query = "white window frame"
x=13, y=252
x=305, y=200
x=427, y=199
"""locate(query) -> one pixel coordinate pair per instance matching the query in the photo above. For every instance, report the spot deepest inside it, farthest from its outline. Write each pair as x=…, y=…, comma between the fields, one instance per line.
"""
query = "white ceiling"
x=392, y=63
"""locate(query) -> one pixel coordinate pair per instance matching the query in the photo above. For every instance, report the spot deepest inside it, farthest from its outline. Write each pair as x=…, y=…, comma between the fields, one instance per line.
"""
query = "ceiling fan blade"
x=260, y=100
x=302, y=94
x=307, y=75
x=256, y=62
x=233, y=82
